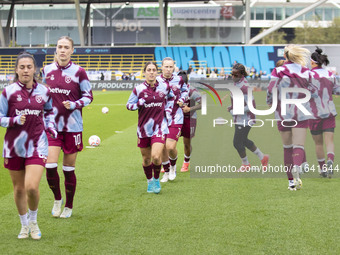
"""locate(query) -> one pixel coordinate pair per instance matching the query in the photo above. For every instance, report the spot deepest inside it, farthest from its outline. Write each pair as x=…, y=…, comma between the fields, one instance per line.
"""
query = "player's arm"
x=244, y=90
x=170, y=101
x=133, y=102
x=8, y=121
x=49, y=119
x=86, y=92
x=273, y=83
x=43, y=76
x=184, y=92
x=336, y=87
x=197, y=98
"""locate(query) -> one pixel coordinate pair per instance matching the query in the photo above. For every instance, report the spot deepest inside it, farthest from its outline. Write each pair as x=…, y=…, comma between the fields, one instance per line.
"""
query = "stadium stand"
x=7, y=63
x=117, y=64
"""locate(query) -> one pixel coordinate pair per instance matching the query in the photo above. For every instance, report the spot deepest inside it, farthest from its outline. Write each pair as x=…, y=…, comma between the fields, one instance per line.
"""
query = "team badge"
x=38, y=99
x=68, y=79
x=174, y=88
x=145, y=95
x=161, y=94
x=19, y=98
x=52, y=77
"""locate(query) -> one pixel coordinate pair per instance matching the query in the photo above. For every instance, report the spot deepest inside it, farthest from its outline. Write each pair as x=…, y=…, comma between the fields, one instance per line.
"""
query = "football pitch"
x=113, y=213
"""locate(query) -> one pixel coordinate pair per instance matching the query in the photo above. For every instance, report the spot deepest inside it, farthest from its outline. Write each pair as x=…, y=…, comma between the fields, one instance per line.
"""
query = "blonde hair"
x=297, y=54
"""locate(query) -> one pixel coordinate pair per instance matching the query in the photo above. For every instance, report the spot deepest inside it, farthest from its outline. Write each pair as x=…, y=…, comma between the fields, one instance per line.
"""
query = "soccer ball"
x=94, y=140
x=105, y=110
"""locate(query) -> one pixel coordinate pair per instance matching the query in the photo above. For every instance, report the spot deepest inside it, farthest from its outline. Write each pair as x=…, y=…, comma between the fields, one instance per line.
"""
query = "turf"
x=113, y=214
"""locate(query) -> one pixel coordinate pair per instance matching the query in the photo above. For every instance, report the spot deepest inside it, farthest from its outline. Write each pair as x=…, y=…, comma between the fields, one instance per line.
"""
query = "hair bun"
x=318, y=50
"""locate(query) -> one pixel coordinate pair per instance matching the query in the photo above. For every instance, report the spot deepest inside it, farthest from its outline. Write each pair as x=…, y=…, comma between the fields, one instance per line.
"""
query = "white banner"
x=178, y=12
x=196, y=12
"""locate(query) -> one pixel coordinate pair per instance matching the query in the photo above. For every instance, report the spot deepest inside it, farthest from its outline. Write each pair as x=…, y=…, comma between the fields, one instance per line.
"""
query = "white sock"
x=33, y=215
x=258, y=153
x=149, y=180
x=24, y=219
x=245, y=160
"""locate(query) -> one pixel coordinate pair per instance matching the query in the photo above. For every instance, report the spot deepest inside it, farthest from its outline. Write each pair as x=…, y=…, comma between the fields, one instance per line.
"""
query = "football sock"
x=258, y=153
x=288, y=160
x=330, y=156
x=173, y=161
x=245, y=161
x=53, y=179
x=70, y=185
x=33, y=215
x=24, y=219
x=186, y=158
x=156, y=171
x=321, y=164
x=166, y=166
x=148, y=171
x=298, y=155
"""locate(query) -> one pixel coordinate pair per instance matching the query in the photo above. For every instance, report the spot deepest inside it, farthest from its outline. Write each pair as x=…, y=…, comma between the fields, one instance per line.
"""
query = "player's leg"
x=286, y=137
x=253, y=148
x=299, y=154
x=147, y=166
x=72, y=144
x=20, y=199
x=320, y=154
x=32, y=181
x=53, y=178
x=329, y=141
x=166, y=164
x=187, y=154
x=188, y=131
x=156, y=156
x=69, y=162
x=239, y=145
x=172, y=150
x=171, y=143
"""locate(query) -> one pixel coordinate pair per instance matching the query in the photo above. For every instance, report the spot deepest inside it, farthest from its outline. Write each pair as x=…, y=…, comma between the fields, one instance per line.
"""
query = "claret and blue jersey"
x=29, y=139
x=181, y=92
x=69, y=83
x=154, y=106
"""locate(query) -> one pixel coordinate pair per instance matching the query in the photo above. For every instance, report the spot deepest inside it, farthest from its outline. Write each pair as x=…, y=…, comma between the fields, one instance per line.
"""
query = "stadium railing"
x=125, y=63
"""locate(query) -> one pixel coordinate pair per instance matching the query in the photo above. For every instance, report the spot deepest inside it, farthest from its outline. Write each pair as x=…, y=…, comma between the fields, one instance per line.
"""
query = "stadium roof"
x=90, y=1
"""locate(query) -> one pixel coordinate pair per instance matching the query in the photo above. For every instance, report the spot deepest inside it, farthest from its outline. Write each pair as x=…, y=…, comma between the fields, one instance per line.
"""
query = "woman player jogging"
x=190, y=106
x=26, y=111
x=181, y=92
x=322, y=128
x=292, y=74
x=71, y=91
x=154, y=102
x=241, y=141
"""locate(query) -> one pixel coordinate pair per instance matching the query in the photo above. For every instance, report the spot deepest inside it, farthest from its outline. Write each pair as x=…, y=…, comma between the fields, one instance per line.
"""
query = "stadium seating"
x=117, y=64
x=7, y=63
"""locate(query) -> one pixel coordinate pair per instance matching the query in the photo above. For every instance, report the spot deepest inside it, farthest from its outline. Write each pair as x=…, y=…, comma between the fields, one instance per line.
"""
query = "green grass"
x=113, y=214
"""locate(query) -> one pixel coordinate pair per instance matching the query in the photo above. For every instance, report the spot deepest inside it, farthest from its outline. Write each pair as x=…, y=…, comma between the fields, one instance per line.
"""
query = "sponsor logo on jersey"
x=19, y=98
x=27, y=112
x=68, y=79
x=60, y=91
x=39, y=99
x=153, y=105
